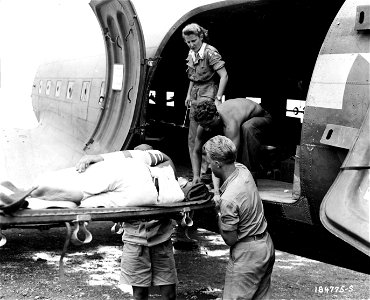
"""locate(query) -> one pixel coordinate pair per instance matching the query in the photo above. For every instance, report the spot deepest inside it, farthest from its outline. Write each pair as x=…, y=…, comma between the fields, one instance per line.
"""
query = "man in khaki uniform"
x=242, y=225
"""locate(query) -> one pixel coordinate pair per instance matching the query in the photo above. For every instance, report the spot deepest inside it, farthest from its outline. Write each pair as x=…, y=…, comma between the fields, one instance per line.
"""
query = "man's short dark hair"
x=205, y=111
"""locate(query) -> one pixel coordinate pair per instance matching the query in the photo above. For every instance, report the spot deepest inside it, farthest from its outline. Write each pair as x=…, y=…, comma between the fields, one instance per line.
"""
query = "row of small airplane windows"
x=85, y=89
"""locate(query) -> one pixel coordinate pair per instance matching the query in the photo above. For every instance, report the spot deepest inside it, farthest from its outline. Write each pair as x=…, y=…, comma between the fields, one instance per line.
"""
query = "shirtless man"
x=241, y=120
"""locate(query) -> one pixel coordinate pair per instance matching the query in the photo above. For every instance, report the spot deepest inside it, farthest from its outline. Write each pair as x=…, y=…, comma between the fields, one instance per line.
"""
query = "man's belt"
x=253, y=237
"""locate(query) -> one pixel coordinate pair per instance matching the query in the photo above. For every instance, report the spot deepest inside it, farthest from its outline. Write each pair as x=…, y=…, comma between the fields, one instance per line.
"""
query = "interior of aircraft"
x=270, y=53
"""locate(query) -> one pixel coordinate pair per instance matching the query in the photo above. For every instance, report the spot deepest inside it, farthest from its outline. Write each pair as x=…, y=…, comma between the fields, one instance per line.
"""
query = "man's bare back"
x=239, y=110
x=234, y=113
x=238, y=119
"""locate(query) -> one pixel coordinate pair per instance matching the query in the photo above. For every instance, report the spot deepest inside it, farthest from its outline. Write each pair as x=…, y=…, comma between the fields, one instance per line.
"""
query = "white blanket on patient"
x=169, y=188
x=121, y=183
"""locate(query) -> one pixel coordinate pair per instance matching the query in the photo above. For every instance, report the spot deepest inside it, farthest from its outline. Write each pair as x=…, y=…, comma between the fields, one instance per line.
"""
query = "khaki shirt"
x=149, y=233
x=205, y=64
x=241, y=206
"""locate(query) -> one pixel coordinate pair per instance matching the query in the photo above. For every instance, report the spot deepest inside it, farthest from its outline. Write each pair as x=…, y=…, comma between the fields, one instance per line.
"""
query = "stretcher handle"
x=2, y=239
x=186, y=220
x=81, y=223
x=117, y=228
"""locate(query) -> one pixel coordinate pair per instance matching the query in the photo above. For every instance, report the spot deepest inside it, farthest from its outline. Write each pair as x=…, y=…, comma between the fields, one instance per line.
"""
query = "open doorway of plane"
x=270, y=50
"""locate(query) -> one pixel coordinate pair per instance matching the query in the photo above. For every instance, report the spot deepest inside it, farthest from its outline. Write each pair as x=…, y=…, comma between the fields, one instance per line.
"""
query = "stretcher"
x=53, y=217
x=80, y=217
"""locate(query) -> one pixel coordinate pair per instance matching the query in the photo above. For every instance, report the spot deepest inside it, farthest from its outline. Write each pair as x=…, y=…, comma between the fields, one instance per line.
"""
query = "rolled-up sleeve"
x=229, y=215
x=215, y=60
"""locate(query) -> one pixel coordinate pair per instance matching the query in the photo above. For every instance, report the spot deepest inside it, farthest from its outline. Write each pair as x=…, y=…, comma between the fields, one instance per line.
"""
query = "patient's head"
x=143, y=147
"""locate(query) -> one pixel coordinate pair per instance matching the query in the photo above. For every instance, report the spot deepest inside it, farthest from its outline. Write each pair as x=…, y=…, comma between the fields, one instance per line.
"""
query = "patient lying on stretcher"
x=124, y=178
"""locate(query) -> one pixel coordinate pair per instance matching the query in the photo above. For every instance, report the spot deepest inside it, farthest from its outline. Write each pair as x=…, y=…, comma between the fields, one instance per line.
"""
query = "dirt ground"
x=29, y=269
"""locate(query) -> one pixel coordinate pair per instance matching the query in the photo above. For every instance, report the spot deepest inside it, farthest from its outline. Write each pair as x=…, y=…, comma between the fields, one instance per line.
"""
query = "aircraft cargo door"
x=125, y=52
x=345, y=208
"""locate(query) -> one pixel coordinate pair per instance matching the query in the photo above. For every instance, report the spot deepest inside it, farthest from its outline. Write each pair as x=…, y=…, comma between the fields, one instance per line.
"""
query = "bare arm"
x=86, y=161
x=216, y=189
x=223, y=82
x=188, y=98
x=90, y=159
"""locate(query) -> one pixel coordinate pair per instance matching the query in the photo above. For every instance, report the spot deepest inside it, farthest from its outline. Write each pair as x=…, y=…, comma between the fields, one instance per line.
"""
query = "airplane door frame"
x=125, y=53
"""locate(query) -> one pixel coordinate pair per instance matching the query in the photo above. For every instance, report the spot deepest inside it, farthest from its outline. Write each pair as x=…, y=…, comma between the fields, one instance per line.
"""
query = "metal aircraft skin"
x=313, y=51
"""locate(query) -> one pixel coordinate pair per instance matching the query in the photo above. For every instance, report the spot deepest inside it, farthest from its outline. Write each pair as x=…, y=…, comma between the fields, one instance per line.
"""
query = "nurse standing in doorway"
x=203, y=62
